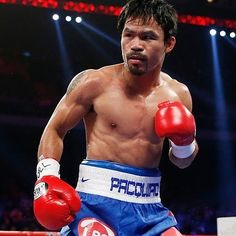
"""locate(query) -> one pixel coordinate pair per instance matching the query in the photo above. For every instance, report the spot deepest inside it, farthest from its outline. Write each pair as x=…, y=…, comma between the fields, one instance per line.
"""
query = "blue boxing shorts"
x=119, y=200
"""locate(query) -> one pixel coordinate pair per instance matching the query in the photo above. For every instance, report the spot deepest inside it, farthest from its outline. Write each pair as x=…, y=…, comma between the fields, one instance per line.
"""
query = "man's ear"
x=170, y=44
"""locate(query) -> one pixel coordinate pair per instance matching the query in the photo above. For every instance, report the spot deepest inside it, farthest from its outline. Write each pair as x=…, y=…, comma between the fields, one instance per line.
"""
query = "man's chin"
x=136, y=70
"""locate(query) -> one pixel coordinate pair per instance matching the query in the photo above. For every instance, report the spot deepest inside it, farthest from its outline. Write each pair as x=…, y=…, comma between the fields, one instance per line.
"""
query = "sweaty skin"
x=118, y=103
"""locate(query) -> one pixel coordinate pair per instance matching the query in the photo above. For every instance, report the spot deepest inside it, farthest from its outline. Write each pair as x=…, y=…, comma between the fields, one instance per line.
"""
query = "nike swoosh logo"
x=45, y=165
x=84, y=180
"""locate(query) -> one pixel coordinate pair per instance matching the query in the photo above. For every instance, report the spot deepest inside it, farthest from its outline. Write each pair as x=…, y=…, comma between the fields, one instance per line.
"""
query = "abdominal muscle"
x=134, y=151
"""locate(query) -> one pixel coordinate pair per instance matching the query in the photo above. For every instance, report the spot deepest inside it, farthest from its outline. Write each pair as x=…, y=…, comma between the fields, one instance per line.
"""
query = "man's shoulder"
x=100, y=73
x=89, y=76
x=173, y=82
x=180, y=89
x=110, y=69
x=93, y=80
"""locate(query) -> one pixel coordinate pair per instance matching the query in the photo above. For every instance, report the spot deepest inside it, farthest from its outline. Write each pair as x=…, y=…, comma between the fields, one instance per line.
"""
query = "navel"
x=113, y=125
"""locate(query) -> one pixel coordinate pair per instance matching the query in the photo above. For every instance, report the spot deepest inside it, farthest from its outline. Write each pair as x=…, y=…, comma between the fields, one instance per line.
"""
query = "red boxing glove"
x=175, y=121
x=55, y=201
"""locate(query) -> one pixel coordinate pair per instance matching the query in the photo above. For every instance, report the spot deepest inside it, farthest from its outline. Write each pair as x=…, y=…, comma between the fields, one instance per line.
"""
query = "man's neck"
x=142, y=84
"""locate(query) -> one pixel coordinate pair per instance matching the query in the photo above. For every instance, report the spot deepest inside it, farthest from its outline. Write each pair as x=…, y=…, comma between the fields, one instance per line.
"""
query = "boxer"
x=128, y=110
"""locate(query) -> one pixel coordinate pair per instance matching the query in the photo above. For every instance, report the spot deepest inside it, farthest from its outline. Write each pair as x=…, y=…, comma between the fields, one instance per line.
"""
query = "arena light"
x=55, y=17
x=65, y=60
x=232, y=35
x=68, y=18
x=222, y=33
x=113, y=10
x=83, y=32
x=101, y=34
x=92, y=8
x=213, y=32
x=41, y=3
x=207, y=21
x=78, y=19
x=226, y=173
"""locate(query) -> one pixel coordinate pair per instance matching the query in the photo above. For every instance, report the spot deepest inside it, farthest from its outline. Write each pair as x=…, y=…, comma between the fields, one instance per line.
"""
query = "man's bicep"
x=76, y=102
x=68, y=114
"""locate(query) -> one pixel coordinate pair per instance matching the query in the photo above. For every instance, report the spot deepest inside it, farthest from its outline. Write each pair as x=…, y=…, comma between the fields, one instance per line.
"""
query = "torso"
x=120, y=127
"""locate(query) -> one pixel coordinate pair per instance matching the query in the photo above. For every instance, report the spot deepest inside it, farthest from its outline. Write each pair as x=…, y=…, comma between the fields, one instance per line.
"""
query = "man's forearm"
x=51, y=146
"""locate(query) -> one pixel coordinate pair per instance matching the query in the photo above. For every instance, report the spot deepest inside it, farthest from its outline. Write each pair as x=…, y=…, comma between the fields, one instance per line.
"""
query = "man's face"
x=143, y=47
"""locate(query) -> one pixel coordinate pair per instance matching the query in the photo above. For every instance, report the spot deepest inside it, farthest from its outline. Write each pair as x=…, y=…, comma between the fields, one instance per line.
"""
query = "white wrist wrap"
x=182, y=151
x=48, y=166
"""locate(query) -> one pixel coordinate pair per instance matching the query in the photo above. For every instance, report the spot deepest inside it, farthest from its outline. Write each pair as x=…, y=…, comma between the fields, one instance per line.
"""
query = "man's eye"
x=148, y=37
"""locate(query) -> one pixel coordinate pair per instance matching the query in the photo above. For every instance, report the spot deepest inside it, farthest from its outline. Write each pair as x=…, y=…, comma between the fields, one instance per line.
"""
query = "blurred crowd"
x=16, y=212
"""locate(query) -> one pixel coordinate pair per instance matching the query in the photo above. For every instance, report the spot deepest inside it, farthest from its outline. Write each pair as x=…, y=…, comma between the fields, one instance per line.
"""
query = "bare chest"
x=131, y=116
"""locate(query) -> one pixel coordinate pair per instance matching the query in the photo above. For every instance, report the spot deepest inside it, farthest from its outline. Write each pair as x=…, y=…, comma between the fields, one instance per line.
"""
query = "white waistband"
x=118, y=185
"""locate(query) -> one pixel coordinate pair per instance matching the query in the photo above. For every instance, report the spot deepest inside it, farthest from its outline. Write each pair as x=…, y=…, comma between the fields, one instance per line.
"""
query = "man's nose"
x=137, y=44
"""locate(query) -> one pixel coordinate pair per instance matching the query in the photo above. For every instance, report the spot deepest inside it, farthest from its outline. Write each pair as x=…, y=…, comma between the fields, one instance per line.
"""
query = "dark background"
x=34, y=74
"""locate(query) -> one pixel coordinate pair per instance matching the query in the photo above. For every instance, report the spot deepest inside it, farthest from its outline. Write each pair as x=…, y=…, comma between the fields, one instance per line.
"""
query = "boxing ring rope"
x=28, y=233
x=44, y=233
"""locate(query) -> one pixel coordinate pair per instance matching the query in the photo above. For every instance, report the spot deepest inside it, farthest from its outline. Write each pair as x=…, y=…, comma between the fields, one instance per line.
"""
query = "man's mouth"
x=136, y=57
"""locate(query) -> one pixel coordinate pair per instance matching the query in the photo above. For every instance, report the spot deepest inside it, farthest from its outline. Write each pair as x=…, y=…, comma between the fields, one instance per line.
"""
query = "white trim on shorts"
x=118, y=185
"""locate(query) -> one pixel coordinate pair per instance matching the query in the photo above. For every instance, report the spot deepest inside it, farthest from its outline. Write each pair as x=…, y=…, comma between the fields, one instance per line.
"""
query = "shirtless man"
x=128, y=109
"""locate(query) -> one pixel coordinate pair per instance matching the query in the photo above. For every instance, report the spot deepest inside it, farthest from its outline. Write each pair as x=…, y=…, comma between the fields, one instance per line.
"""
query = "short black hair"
x=164, y=14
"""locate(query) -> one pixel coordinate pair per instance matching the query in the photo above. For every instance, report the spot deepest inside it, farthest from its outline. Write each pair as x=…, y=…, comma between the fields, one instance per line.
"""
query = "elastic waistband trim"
x=119, y=182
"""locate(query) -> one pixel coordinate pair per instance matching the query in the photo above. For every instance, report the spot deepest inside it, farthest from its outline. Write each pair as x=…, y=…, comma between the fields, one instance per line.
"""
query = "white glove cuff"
x=48, y=166
x=182, y=151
